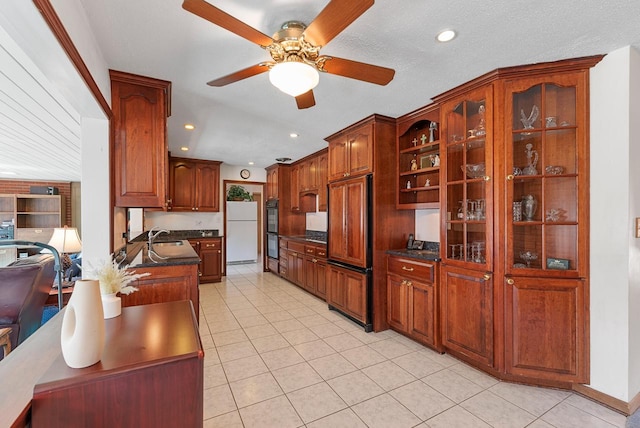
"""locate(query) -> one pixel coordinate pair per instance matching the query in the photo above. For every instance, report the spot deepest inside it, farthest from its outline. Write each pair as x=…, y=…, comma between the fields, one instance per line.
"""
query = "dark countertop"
x=305, y=238
x=138, y=255
x=177, y=235
x=430, y=252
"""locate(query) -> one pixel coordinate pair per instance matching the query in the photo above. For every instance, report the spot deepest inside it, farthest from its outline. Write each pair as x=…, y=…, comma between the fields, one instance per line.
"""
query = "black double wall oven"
x=272, y=228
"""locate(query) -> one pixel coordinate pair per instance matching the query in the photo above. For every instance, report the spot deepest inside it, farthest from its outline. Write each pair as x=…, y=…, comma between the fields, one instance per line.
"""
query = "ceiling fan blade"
x=334, y=18
x=306, y=100
x=359, y=70
x=239, y=75
x=213, y=14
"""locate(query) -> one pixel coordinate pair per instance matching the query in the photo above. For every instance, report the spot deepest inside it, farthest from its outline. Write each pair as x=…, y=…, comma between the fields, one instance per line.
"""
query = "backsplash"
x=183, y=221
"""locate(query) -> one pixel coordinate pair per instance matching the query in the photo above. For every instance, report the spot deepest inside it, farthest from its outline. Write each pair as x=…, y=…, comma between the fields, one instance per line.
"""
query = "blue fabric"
x=48, y=313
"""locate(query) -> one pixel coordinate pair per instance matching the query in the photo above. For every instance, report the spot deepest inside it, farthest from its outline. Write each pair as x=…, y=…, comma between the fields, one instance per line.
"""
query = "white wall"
x=614, y=258
x=427, y=225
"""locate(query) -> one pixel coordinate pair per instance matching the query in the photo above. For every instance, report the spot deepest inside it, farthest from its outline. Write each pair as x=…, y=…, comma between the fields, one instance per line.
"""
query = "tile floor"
x=275, y=356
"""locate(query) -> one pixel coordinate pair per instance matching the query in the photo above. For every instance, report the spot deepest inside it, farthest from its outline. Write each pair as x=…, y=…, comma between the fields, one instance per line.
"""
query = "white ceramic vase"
x=111, y=305
x=82, y=334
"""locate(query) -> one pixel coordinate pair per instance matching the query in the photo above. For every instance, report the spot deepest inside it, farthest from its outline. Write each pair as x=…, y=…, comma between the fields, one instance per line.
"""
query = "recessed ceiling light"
x=8, y=173
x=293, y=135
x=189, y=126
x=446, y=36
x=250, y=162
x=184, y=148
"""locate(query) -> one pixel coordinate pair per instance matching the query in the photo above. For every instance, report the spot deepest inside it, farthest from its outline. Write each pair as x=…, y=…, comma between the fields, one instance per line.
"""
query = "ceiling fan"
x=295, y=49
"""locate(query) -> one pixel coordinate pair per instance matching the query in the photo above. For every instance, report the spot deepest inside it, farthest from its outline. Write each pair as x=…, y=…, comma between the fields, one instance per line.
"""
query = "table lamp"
x=66, y=241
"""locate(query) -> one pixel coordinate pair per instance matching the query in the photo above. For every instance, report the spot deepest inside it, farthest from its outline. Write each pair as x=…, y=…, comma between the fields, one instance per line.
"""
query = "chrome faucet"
x=153, y=234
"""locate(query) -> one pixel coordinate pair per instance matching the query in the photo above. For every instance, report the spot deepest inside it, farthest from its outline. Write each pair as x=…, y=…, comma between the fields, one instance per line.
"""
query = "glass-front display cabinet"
x=468, y=159
x=418, y=146
x=545, y=159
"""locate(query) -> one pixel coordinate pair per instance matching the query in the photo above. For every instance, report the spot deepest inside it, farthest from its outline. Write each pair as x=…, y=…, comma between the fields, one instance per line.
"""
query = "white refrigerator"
x=242, y=232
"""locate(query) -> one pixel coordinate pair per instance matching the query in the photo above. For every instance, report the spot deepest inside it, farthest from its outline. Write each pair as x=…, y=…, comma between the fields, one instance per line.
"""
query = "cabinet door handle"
x=404, y=282
x=486, y=178
x=510, y=281
x=409, y=283
x=510, y=177
x=219, y=251
x=314, y=260
x=486, y=277
x=210, y=245
x=407, y=269
x=193, y=209
x=309, y=251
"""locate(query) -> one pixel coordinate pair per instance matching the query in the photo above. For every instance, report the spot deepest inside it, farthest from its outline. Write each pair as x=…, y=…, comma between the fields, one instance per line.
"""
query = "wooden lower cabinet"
x=304, y=264
x=347, y=291
x=467, y=314
x=315, y=272
x=546, y=328
x=412, y=299
x=166, y=284
x=210, y=252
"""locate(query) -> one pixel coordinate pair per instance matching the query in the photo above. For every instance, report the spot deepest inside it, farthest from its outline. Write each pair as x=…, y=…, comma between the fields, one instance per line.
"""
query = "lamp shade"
x=294, y=77
x=66, y=240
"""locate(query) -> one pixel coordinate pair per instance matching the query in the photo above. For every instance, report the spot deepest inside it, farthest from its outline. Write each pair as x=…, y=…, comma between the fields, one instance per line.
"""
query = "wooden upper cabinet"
x=351, y=152
x=321, y=178
x=348, y=226
x=140, y=108
x=272, y=182
x=194, y=185
x=294, y=188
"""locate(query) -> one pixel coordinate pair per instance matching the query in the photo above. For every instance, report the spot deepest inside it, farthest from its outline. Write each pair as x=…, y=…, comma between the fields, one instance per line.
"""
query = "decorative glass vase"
x=82, y=335
x=111, y=305
x=529, y=205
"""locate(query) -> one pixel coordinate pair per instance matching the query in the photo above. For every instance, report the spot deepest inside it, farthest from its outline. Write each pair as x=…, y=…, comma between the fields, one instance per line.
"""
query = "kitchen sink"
x=167, y=244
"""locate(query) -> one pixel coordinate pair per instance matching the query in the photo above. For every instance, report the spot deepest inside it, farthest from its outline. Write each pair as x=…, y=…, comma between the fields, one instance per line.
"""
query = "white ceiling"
x=251, y=120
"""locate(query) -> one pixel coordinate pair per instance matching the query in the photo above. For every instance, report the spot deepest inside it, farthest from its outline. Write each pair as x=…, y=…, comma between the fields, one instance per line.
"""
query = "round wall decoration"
x=245, y=173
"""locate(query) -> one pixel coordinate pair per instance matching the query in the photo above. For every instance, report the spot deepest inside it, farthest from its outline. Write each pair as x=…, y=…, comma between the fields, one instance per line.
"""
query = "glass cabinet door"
x=543, y=170
x=467, y=174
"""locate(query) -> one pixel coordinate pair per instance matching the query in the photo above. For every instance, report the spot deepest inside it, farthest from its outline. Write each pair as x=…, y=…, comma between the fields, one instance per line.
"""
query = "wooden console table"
x=151, y=374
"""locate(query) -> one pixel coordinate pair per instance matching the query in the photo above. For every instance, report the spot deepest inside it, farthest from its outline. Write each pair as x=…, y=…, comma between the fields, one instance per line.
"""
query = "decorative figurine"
x=480, y=131
x=433, y=127
x=435, y=160
x=423, y=138
x=415, y=142
x=408, y=184
x=427, y=183
x=414, y=165
x=527, y=122
x=532, y=161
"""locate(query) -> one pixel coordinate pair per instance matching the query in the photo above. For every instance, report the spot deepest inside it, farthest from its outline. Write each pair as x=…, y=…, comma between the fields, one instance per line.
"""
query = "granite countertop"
x=315, y=236
x=176, y=235
x=430, y=252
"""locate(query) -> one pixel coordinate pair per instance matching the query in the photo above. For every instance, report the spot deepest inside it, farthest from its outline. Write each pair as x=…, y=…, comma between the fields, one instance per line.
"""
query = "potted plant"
x=115, y=279
x=238, y=193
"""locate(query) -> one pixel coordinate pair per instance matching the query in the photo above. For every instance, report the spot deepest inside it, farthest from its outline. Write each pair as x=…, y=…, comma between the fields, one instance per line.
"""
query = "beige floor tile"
x=235, y=351
x=331, y=366
x=347, y=325
x=296, y=337
x=388, y=375
x=418, y=364
x=355, y=387
x=219, y=326
x=244, y=367
x=452, y=385
x=367, y=338
x=474, y=375
x=281, y=358
x=539, y=423
x=363, y=356
x=245, y=312
x=456, y=417
x=496, y=411
x=270, y=308
x=269, y=343
x=207, y=341
x=281, y=315
x=423, y=401
x=296, y=377
x=229, y=337
x=218, y=401
x=326, y=330
x=214, y=376
x=342, y=342
x=315, y=402
x=343, y=419
x=597, y=410
x=300, y=312
x=565, y=415
x=312, y=350
x=228, y=420
x=534, y=400
x=288, y=325
x=273, y=413
x=292, y=304
x=260, y=331
x=384, y=411
x=211, y=357
x=390, y=348
x=442, y=359
x=252, y=321
x=312, y=320
x=255, y=389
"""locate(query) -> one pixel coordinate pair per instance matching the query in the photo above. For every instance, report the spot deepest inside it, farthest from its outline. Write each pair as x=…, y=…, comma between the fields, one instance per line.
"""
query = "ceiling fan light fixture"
x=294, y=77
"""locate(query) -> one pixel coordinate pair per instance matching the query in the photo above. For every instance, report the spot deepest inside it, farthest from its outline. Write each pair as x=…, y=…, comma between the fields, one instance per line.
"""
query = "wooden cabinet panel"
x=321, y=278
x=210, y=260
x=338, y=159
x=397, y=301
x=351, y=154
x=321, y=178
x=166, y=284
x=348, y=221
x=546, y=328
x=194, y=185
x=140, y=108
x=272, y=182
x=346, y=290
x=422, y=315
x=467, y=313
x=294, y=189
